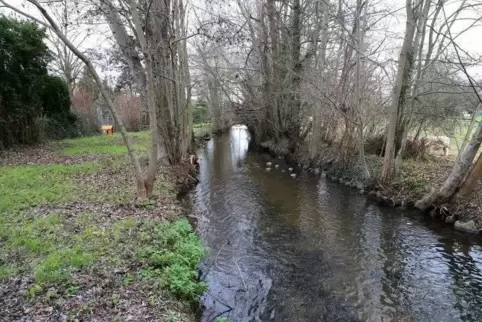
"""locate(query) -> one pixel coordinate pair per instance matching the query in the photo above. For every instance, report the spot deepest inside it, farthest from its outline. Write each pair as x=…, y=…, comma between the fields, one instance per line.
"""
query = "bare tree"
x=402, y=81
x=65, y=62
x=461, y=170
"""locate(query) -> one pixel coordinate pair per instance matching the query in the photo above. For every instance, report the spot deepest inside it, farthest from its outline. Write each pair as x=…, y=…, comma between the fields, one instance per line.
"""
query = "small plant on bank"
x=171, y=256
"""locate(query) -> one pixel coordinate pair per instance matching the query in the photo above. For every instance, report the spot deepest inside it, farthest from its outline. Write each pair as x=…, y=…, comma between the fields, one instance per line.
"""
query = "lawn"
x=76, y=245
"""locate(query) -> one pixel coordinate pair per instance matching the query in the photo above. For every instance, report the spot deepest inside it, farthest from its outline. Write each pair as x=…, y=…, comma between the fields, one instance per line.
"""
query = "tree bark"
x=361, y=142
x=317, y=115
x=473, y=178
x=151, y=100
x=388, y=169
x=456, y=176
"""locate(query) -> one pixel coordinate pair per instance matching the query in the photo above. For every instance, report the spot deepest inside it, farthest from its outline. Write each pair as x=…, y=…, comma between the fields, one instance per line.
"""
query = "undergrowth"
x=54, y=249
x=170, y=257
x=72, y=250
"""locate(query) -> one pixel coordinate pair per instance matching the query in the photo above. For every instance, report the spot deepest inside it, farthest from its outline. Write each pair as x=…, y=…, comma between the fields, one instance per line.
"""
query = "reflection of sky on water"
x=311, y=250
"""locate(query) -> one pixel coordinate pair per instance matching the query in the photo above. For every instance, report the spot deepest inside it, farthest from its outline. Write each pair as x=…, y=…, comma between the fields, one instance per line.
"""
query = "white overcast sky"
x=471, y=41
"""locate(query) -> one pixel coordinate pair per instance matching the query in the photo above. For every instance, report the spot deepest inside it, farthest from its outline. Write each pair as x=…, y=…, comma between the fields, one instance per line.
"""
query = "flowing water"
x=304, y=249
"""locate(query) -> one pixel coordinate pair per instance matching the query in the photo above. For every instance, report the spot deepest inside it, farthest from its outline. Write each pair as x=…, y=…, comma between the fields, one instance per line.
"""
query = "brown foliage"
x=83, y=106
x=130, y=111
x=417, y=149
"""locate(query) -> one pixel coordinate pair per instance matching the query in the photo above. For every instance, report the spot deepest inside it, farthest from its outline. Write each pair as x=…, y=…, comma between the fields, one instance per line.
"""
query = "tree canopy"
x=28, y=95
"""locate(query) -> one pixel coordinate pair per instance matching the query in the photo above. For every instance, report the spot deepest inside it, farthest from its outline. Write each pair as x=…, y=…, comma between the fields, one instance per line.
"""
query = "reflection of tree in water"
x=331, y=256
x=300, y=265
x=466, y=280
x=392, y=296
x=237, y=280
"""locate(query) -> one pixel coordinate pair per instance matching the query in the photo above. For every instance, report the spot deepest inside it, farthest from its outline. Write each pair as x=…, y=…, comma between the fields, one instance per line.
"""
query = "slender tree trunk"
x=388, y=169
x=151, y=100
x=361, y=141
x=317, y=115
x=405, y=120
x=456, y=176
x=473, y=178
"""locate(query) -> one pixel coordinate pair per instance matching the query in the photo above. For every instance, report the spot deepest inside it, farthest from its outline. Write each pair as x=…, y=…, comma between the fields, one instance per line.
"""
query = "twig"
x=218, y=300
x=214, y=318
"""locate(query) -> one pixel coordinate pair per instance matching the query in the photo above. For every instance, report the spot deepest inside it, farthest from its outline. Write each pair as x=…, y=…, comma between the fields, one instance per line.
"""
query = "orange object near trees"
x=107, y=129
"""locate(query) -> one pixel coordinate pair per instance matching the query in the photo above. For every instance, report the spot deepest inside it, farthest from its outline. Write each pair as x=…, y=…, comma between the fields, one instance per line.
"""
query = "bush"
x=200, y=112
x=24, y=58
x=417, y=149
x=83, y=108
x=56, y=98
x=34, y=106
x=375, y=144
x=130, y=111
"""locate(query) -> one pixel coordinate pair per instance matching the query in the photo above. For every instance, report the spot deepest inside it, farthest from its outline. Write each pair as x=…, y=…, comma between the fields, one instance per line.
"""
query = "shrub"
x=417, y=149
x=375, y=144
x=24, y=58
x=130, y=111
x=83, y=108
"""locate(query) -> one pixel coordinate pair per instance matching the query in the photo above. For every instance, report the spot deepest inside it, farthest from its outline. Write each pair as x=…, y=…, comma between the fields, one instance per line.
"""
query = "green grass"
x=22, y=186
x=57, y=249
x=104, y=144
x=201, y=129
x=199, y=125
x=54, y=248
x=107, y=149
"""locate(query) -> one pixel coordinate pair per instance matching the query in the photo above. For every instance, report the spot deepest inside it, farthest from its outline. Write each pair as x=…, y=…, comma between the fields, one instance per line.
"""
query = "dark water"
x=304, y=249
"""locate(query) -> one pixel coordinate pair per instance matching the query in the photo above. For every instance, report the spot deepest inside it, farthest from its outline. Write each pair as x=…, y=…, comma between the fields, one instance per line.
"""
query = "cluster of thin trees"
x=317, y=72
x=301, y=73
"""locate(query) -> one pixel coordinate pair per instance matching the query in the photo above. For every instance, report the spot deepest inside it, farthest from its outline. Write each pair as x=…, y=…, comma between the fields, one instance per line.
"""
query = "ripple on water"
x=310, y=250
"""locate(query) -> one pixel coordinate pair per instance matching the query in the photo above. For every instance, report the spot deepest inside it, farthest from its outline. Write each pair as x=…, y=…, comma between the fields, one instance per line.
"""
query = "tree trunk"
x=388, y=169
x=361, y=141
x=456, y=177
x=151, y=100
x=470, y=183
x=316, y=135
x=406, y=120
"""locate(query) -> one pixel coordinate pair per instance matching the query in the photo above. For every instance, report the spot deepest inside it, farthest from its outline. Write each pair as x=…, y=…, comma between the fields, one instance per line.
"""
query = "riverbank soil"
x=415, y=179
x=75, y=245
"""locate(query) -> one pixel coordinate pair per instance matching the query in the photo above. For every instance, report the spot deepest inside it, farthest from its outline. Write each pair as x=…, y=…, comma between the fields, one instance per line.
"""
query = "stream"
x=305, y=249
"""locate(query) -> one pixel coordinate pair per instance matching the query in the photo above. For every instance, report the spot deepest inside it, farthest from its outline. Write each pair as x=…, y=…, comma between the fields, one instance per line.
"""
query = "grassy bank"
x=75, y=245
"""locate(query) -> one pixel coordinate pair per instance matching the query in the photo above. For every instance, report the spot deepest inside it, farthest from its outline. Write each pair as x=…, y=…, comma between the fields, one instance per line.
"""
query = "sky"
x=392, y=25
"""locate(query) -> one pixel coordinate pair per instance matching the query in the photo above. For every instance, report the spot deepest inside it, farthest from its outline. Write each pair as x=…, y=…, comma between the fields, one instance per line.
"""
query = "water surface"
x=304, y=249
